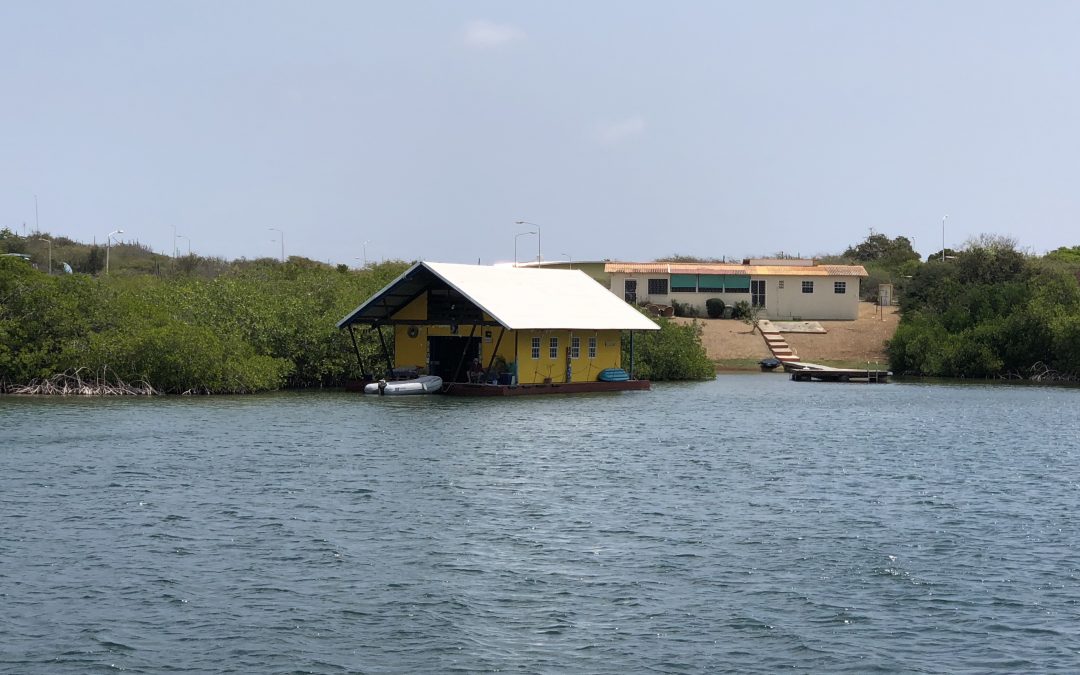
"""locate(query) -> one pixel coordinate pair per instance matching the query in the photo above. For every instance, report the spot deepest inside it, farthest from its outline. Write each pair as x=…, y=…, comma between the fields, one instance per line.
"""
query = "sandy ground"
x=861, y=340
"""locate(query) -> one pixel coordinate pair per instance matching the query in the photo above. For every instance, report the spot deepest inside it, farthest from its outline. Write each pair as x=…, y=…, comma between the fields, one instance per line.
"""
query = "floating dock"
x=477, y=389
x=808, y=372
x=463, y=389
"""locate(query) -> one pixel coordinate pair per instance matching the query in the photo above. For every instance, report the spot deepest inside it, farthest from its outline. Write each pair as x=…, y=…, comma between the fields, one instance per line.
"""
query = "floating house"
x=797, y=289
x=502, y=330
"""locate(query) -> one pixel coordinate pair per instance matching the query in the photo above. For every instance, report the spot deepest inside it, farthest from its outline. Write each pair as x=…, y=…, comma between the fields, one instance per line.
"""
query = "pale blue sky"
x=627, y=130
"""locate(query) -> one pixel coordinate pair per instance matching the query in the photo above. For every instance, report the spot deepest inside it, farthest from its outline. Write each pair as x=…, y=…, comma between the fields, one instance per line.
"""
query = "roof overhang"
x=515, y=298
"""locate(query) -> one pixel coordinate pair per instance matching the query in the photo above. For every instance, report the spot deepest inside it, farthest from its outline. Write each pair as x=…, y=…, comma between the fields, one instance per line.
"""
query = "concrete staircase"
x=776, y=343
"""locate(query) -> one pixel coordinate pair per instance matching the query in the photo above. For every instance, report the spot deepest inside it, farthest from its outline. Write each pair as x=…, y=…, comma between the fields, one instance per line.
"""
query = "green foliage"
x=672, y=353
x=937, y=256
x=254, y=327
x=11, y=242
x=685, y=309
x=880, y=249
x=980, y=265
x=749, y=314
x=714, y=307
x=92, y=262
x=1065, y=254
x=887, y=261
x=740, y=310
x=990, y=312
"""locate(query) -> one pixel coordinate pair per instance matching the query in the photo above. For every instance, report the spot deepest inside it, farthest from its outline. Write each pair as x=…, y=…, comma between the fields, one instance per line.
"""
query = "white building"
x=785, y=289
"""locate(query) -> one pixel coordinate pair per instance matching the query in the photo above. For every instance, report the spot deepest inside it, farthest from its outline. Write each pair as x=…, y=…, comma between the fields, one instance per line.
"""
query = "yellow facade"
x=583, y=368
x=535, y=355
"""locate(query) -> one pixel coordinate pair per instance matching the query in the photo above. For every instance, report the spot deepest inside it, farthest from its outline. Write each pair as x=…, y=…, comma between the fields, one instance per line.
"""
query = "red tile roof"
x=733, y=268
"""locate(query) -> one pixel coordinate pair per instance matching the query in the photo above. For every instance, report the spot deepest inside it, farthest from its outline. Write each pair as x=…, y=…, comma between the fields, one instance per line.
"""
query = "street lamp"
x=943, y=237
x=108, y=247
x=525, y=222
x=519, y=234
x=569, y=259
x=184, y=236
x=50, y=249
x=282, y=241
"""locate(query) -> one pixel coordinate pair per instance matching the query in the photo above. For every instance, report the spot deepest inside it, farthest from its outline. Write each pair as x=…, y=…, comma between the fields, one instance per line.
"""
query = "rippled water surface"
x=750, y=524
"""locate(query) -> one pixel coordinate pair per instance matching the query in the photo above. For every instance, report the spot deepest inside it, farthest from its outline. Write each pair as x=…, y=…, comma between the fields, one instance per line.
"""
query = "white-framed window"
x=839, y=287
x=553, y=347
x=535, y=348
x=592, y=348
x=575, y=347
x=757, y=292
x=657, y=286
x=808, y=287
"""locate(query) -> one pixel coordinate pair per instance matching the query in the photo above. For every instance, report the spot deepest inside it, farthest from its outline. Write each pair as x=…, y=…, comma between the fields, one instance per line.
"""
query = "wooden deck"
x=461, y=389
x=809, y=372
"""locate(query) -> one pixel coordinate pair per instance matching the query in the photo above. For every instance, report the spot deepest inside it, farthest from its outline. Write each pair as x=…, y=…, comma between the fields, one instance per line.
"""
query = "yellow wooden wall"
x=515, y=346
x=583, y=369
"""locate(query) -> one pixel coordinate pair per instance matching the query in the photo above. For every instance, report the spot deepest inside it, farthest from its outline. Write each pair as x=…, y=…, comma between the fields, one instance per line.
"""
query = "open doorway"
x=447, y=353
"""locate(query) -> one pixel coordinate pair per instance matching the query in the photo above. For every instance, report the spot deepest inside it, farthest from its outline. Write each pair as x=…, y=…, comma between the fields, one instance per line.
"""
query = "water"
x=750, y=524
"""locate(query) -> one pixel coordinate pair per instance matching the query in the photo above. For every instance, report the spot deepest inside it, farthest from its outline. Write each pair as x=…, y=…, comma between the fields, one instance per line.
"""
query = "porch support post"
x=631, y=355
x=461, y=361
x=385, y=351
x=356, y=348
x=495, y=351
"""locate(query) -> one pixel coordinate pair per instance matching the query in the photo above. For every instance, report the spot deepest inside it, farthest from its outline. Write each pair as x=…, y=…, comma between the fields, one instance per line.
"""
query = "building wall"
x=780, y=303
x=514, y=347
x=582, y=369
x=823, y=304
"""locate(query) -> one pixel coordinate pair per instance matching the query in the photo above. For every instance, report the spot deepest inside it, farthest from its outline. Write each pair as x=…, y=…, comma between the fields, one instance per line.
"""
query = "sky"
x=620, y=130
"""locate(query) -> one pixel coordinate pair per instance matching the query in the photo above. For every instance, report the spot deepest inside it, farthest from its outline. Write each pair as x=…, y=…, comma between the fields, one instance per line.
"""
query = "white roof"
x=532, y=299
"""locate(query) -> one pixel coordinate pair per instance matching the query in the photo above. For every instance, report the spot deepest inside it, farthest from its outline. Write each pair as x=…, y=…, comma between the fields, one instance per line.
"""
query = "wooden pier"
x=808, y=372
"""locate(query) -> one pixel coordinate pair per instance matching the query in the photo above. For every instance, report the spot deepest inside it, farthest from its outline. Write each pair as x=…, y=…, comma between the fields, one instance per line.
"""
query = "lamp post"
x=184, y=236
x=282, y=241
x=525, y=222
x=943, y=237
x=569, y=259
x=50, y=252
x=108, y=247
x=519, y=234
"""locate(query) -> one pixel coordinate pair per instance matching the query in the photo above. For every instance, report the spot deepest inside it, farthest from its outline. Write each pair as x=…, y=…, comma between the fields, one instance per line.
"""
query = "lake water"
x=750, y=524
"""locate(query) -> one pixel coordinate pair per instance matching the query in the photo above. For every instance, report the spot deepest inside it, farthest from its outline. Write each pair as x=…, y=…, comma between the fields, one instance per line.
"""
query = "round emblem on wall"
x=413, y=331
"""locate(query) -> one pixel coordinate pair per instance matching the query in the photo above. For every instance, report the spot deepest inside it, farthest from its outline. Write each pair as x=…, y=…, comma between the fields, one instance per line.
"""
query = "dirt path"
x=859, y=340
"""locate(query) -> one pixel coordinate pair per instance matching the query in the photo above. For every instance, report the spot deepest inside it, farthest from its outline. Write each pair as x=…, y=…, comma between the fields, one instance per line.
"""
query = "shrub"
x=672, y=353
x=685, y=309
x=251, y=328
x=740, y=310
x=714, y=307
